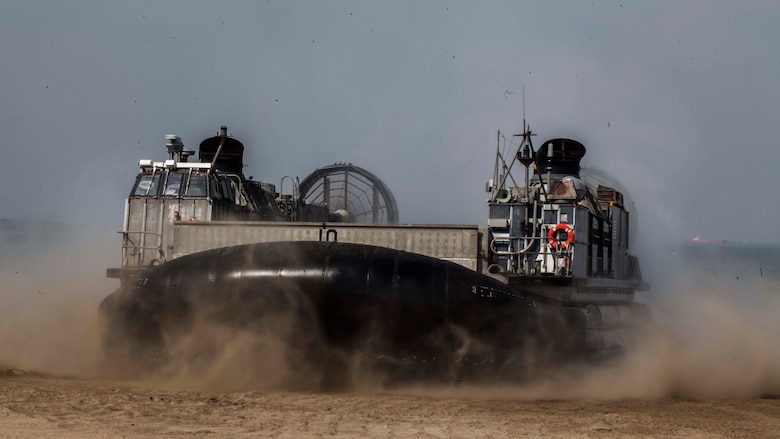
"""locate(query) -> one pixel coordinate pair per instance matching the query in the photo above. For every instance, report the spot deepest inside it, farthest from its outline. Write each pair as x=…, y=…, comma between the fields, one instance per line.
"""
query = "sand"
x=37, y=405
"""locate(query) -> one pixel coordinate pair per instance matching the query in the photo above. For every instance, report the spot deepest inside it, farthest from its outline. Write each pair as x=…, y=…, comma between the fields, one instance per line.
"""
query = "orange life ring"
x=552, y=238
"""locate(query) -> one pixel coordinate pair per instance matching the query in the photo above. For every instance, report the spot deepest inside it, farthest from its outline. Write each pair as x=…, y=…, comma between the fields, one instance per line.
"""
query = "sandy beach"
x=36, y=405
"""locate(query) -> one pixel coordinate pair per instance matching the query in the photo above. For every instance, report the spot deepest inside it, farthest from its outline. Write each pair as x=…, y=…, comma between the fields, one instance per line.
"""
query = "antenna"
x=523, y=107
x=525, y=152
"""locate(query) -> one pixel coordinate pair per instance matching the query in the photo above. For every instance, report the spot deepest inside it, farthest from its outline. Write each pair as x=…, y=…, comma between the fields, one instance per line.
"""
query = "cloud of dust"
x=49, y=323
x=274, y=352
x=214, y=357
x=48, y=308
x=282, y=350
x=715, y=338
x=706, y=339
x=222, y=358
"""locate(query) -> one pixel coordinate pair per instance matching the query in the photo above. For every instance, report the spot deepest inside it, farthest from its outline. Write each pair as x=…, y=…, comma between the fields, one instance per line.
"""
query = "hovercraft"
x=548, y=279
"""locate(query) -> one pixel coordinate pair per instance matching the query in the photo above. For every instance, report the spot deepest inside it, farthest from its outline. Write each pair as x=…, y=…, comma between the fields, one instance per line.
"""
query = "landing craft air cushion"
x=547, y=280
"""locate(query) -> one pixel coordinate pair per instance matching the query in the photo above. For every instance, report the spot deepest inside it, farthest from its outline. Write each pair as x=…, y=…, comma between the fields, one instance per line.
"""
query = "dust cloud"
x=705, y=348
x=219, y=358
x=48, y=303
x=707, y=339
x=716, y=338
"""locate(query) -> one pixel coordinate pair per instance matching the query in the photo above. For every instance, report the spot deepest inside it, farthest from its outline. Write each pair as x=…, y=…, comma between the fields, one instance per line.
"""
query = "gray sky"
x=679, y=100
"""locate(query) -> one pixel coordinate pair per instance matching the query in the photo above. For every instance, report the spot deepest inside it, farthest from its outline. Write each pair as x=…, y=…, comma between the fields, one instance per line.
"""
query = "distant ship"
x=698, y=240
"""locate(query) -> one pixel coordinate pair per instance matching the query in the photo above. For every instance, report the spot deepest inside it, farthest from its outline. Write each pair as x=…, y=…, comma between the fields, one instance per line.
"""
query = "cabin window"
x=566, y=214
x=173, y=184
x=499, y=211
x=550, y=216
x=147, y=185
x=197, y=186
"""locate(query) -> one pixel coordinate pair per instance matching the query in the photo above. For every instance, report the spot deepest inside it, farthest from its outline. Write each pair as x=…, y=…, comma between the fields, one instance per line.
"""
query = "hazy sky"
x=679, y=100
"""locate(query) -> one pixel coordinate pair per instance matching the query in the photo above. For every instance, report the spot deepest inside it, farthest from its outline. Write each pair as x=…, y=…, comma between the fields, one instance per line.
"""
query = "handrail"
x=125, y=233
x=509, y=239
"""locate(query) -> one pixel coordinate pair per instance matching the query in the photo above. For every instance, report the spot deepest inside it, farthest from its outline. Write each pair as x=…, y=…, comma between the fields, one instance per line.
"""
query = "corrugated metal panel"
x=456, y=243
